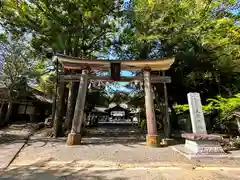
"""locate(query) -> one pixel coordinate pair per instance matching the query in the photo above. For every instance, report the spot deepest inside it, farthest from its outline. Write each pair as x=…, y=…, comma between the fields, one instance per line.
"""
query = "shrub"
x=181, y=108
x=224, y=107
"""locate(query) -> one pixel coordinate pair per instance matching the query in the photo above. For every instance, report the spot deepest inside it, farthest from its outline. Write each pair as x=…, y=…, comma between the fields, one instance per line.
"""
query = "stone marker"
x=199, y=144
x=196, y=113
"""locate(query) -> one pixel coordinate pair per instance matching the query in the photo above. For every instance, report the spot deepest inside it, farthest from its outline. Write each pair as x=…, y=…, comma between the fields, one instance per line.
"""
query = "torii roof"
x=103, y=64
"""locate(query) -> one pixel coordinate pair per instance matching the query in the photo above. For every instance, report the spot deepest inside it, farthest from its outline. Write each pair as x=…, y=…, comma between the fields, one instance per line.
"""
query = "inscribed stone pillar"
x=74, y=138
x=152, y=137
x=196, y=113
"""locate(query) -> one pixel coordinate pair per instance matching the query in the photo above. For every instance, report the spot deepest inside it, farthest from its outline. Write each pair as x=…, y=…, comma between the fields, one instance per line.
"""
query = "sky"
x=122, y=84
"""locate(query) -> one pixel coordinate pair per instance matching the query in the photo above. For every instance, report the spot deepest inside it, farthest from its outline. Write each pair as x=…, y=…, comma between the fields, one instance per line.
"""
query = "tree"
x=202, y=35
x=17, y=67
x=76, y=27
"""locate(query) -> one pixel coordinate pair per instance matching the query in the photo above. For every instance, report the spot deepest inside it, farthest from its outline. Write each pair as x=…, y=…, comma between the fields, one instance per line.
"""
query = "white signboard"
x=196, y=113
x=117, y=113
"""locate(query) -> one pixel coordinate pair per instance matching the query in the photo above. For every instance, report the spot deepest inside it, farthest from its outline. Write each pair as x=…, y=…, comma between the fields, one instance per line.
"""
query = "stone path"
x=12, y=139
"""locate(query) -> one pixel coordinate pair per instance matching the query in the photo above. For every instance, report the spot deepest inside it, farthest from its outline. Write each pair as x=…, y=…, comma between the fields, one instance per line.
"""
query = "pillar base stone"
x=153, y=140
x=74, y=139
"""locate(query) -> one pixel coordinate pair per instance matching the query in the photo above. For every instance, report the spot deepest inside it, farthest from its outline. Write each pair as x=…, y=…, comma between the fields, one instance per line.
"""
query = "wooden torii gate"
x=115, y=66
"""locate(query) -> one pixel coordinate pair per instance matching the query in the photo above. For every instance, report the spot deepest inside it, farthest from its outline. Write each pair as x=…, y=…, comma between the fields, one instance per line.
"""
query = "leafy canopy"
x=76, y=27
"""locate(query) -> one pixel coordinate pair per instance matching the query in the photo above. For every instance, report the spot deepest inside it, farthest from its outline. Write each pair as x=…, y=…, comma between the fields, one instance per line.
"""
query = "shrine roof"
x=117, y=107
x=69, y=62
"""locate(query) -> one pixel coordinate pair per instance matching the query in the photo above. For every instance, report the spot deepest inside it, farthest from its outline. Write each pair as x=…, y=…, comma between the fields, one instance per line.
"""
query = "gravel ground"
x=112, y=145
x=124, y=145
x=16, y=132
x=110, y=153
x=89, y=173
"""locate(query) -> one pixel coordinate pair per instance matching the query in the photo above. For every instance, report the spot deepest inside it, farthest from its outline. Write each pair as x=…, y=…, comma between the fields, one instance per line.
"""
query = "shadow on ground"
x=17, y=132
x=12, y=138
x=107, y=134
x=40, y=171
x=126, y=141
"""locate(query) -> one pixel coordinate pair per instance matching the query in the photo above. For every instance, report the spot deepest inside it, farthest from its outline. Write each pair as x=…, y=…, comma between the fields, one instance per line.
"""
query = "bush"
x=224, y=107
x=181, y=109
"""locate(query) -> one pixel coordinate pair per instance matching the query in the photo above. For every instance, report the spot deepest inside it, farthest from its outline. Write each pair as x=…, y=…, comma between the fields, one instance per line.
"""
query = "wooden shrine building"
x=86, y=67
x=114, y=114
x=118, y=112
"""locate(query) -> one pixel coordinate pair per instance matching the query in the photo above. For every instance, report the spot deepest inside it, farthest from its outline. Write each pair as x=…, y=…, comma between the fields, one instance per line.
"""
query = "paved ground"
x=89, y=173
x=121, y=145
x=12, y=139
x=112, y=153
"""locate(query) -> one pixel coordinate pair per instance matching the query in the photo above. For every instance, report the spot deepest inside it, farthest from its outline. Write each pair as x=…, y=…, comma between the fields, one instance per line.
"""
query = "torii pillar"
x=74, y=138
x=152, y=138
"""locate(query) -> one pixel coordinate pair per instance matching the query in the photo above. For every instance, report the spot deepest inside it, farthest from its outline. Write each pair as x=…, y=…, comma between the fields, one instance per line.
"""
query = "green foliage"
x=181, y=109
x=225, y=107
x=16, y=66
x=46, y=85
x=21, y=66
x=202, y=35
x=75, y=27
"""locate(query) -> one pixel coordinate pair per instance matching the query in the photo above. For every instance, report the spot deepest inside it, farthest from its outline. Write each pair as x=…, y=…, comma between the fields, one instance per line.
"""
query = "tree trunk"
x=1, y=111
x=54, y=106
x=72, y=96
x=58, y=119
x=9, y=112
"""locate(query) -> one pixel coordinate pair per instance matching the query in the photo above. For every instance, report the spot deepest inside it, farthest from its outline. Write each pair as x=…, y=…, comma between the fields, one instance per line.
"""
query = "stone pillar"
x=58, y=119
x=238, y=123
x=72, y=96
x=167, y=125
x=152, y=138
x=74, y=138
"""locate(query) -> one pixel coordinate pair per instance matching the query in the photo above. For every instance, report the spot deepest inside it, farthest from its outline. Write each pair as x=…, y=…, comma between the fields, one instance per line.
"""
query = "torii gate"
x=87, y=65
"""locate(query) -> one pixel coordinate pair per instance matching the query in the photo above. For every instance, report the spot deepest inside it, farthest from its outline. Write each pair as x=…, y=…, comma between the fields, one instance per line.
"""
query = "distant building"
x=115, y=113
x=33, y=107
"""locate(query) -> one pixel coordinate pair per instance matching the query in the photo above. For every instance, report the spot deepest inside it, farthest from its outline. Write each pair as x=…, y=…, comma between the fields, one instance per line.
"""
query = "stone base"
x=74, y=139
x=203, y=143
x=153, y=140
x=203, y=146
x=201, y=137
x=193, y=156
